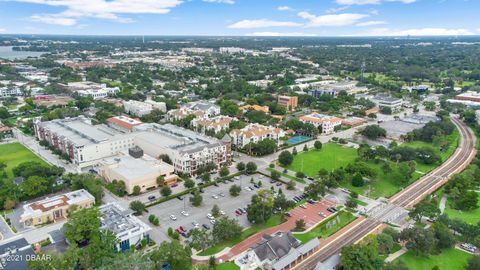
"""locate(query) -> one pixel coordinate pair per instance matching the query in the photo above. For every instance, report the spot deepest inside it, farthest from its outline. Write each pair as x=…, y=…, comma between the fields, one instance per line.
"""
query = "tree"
x=235, y=190
x=444, y=236
x=357, y=180
x=385, y=243
x=174, y=254
x=138, y=207
x=291, y=185
x=165, y=158
x=200, y=239
x=251, y=167
x=351, y=203
x=215, y=211
x=136, y=190
x=35, y=186
x=318, y=145
x=212, y=263
x=473, y=263
x=166, y=191
x=189, y=183
x=305, y=148
x=161, y=181
x=261, y=206
x=280, y=201
x=299, y=225
x=88, y=182
x=285, y=158
x=315, y=189
x=224, y=171
x=225, y=229
x=9, y=204
x=373, y=132
x=196, y=199
x=275, y=175
x=205, y=177
x=154, y=220
x=395, y=266
x=361, y=256
x=82, y=226
x=421, y=241
x=241, y=166
x=467, y=202
x=300, y=175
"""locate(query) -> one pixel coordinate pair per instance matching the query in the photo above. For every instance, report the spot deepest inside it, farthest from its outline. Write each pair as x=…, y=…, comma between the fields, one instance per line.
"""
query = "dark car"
x=238, y=212
x=272, y=181
x=206, y=226
x=278, y=184
x=288, y=214
x=256, y=186
x=180, y=198
x=331, y=210
x=151, y=198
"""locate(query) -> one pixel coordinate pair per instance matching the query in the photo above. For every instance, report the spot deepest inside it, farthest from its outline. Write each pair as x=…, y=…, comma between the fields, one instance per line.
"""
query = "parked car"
x=209, y=216
x=180, y=198
x=304, y=206
x=212, y=221
x=215, y=196
x=222, y=212
x=256, y=186
x=152, y=198
x=185, y=213
x=175, y=185
x=468, y=247
x=238, y=212
x=322, y=214
x=288, y=214
x=206, y=227
x=278, y=184
x=173, y=217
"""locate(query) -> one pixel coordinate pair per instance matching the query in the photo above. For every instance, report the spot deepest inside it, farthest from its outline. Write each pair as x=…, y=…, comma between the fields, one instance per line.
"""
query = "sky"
x=241, y=17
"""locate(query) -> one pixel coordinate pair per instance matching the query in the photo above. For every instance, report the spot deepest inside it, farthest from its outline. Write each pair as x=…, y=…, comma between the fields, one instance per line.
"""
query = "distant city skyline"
x=241, y=17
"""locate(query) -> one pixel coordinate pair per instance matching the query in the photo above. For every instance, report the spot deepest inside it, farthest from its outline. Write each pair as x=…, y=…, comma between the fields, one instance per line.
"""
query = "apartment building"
x=289, y=102
x=187, y=149
x=84, y=143
x=135, y=168
x=215, y=124
x=139, y=108
x=55, y=208
x=254, y=133
x=91, y=89
x=325, y=123
x=200, y=109
x=127, y=228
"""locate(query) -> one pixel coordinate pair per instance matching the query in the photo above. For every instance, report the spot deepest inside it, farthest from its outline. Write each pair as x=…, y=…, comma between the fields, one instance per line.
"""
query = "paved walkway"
x=310, y=215
x=5, y=230
x=395, y=255
x=443, y=203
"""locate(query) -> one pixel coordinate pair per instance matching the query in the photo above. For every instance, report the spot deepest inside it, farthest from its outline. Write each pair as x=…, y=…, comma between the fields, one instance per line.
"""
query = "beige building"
x=216, y=124
x=136, y=169
x=326, y=123
x=253, y=133
x=289, y=102
x=52, y=209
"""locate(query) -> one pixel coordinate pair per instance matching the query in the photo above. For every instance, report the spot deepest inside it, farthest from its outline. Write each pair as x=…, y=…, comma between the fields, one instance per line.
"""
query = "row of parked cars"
x=469, y=247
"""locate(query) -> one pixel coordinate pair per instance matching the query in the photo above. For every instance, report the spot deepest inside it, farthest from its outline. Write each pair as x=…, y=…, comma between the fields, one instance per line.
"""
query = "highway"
x=406, y=198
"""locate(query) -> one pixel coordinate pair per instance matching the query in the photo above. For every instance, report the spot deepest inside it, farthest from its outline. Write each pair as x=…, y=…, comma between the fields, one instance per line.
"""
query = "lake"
x=6, y=52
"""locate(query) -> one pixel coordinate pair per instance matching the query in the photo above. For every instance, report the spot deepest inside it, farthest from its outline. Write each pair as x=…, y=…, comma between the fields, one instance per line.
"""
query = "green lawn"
x=273, y=221
x=14, y=153
x=327, y=227
x=450, y=259
x=227, y=266
x=471, y=217
x=330, y=157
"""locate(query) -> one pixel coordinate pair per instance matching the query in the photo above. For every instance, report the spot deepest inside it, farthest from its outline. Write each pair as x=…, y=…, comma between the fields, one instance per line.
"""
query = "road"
x=407, y=198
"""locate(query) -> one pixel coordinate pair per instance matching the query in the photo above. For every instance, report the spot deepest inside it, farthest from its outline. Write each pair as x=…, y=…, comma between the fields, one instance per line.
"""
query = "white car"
x=222, y=212
x=215, y=196
x=173, y=217
x=247, y=188
x=185, y=213
x=237, y=177
x=322, y=214
x=221, y=195
x=209, y=216
x=212, y=221
x=195, y=224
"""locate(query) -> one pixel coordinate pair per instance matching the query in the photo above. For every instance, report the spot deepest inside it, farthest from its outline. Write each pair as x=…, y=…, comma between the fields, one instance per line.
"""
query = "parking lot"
x=225, y=202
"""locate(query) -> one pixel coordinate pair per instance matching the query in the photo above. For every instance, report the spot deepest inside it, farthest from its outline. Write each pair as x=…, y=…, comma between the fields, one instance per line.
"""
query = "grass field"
x=227, y=266
x=326, y=227
x=471, y=217
x=330, y=157
x=450, y=259
x=14, y=153
x=273, y=221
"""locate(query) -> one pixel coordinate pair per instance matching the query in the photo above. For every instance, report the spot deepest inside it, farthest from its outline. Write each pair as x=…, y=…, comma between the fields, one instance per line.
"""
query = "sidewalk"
x=395, y=255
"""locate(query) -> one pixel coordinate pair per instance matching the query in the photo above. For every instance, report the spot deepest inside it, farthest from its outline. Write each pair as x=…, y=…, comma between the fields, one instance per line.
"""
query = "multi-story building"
x=187, y=149
x=215, y=124
x=91, y=89
x=326, y=123
x=136, y=169
x=200, y=109
x=10, y=91
x=52, y=209
x=83, y=142
x=139, y=108
x=387, y=101
x=127, y=228
x=254, y=133
x=289, y=102
x=123, y=124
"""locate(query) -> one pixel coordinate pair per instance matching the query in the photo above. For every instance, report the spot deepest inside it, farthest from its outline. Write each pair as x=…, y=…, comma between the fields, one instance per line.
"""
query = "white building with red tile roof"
x=326, y=122
x=254, y=133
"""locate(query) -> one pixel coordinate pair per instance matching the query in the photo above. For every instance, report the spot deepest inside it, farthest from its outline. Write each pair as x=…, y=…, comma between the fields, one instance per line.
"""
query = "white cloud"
x=370, y=2
x=417, y=32
x=371, y=23
x=231, y=2
x=249, y=24
x=101, y=9
x=335, y=10
x=478, y=30
x=52, y=19
x=278, y=34
x=332, y=19
x=284, y=8
x=3, y=30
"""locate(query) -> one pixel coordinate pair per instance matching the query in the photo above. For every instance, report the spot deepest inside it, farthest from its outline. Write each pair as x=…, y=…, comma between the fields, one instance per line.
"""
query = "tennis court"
x=297, y=140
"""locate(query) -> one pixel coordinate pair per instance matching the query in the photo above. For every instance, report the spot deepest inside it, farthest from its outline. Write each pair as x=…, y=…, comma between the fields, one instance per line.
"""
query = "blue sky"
x=241, y=17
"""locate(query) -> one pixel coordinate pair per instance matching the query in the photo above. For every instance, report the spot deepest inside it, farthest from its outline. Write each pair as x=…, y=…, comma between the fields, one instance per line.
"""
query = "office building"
x=136, y=169
x=140, y=108
x=123, y=124
x=393, y=103
x=325, y=123
x=58, y=207
x=128, y=229
x=289, y=102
